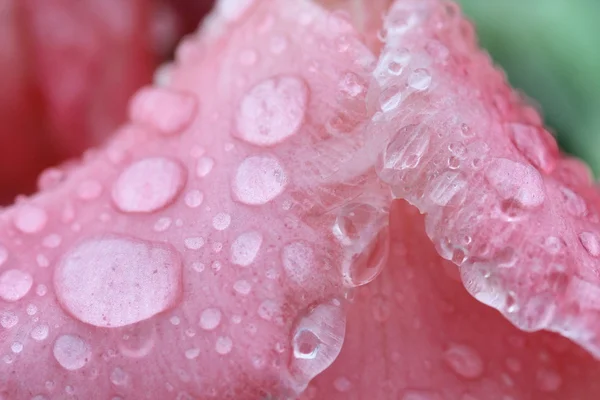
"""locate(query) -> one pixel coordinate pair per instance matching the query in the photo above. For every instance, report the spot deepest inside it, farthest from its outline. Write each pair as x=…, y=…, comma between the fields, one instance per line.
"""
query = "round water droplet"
x=40, y=332
x=89, y=189
x=210, y=319
x=204, y=166
x=259, y=180
x=72, y=352
x=272, y=111
x=8, y=319
x=16, y=347
x=591, y=243
x=14, y=284
x=192, y=353
x=30, y=218
x=166, y=110
x=119, y=377
x=162, y=224
x=363, y=232
x=517, y=182
x=317, y=340
x=245, y=248
x=148, y=185
x=224, y=345
x=242, y=287
x=269, y=310
x=194, y=198
x=51, y=241
x=137, y=340
x=420, y=79
x=342, y=384
x=193, y=243
x=298, y=261
x=111, y=281
x=464, y=361
x=221, y=221
x=548, y=380
x=404, y=151
x=381, y=307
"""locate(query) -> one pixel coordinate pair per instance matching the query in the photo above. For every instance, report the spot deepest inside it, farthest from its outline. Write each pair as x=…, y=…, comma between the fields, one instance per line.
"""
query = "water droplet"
x=221, y=221
x=224, y=345
x=259, y=180
x=245, y=248
x=317, y=340
x=513, y=365
x=381, y=308
x=573, y=203
x=204, y=166
x=242, y=287
x=590, y=242
x=16, y=347
x=397, y=61
x=166, y=110
x=269, y=310
x=447, y=188
x=272, y=111
x=517, y=182
x=89, y=189
x=548, y=380
x=15, y=284
x=363, y=232
x=30, y=219
x=278, y=44
x=3, y=255
x=352, y=85
x=298, y=261
x=420, y=79
x=403, y=152
x=112, y=281
x=536, y=144
x=194, y=198
x=148, y=185
x=137, y=340
x=31, y=309
x=248, y=57
x=72, y=352
x=193, y=243
x=119, y=377
x=8, y=319
x=390, y=98
x=464, y=361
x=162, y=224
x=51, y=241
x=40, y=332
x=192, y=353
x=175, y=320
x=210, y=319
x=342, y=384
x=41, y=290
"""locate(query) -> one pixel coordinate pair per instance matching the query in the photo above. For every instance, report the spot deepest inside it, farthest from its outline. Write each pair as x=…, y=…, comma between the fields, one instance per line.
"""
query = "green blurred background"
x=551, y=50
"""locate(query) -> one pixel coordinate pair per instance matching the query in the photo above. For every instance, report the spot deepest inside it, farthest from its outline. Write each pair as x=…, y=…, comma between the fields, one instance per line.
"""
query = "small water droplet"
x=342, y=384
x=31, y=309
x=221, y=221
x=269, y=310
x=119, y=377
x=245, y=248
x=248, y=57
x=363, y=232
x=403, y=152
x=591, y=243
x=89, y=189
x=166, y=110
x=16, y=347
x=100, y=279
x=517, y=182
x=192, y=353
x=259, y=180
x=51, y=241
x=223, y=345
x=390, y=98
x=148, y=185
x=41, y=290
x=447, y=188
x=420, y=79
x=194, y=198
x=242, y=287
x=272, y=111
x=137, y=340
x=193, y=243
x=210, y=319
x=298, y=261
x=14, y=284
x=397, y=61
x=514, y=365
x=548, y=380
x=175, y=320
x=381, y=308
x=30, y=219
x=72, y=352
x=40, y=332
x=278, y=44
x=317, y=340
x=204, y=166
x=464, y=361
x=162, y=224
x=8, y=319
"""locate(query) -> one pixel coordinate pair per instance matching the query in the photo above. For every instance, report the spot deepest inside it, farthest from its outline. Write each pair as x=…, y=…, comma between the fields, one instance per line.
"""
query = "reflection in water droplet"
x=148, y=185
x=112, y=281
x=464, y=361
x=272, y=111
x=258, y=180
x=14, y=284
x=363, y=232
x=71, y=352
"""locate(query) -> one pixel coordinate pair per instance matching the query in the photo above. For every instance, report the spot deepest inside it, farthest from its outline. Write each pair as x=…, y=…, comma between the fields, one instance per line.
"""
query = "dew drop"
x=591, y=243
x=390, y=98
x=119, y=377
x=447, y=188
x=40, y=332
x=259, y=180
x=89, y=190
x=342, y=384
x=298, y=261
x=221, y=221
x=162, y=224
x=112, y=280
x=14, y=284
x=223, y=345
x=242, y=287
x=204, y=166
x=51, y=241
x=464, y=361
x=381, y=308
x=193, y=243
x=16, y=347
x=269, y=310
x=272, y=111
x=536, y=144
x=548, y=380
x=148, y=185
x=317, y=340
x=30, y=219
x=192, y=353
x=72, y=352
x=31, y=309
x=194, y=198
x=3, y=254
x=515, y=181
x=362, y=231
x=8, y=319
x=137, y=340
x=245, y=248
x=166, y=110
x=352, y=85
x=210, y=319
x=420, y=79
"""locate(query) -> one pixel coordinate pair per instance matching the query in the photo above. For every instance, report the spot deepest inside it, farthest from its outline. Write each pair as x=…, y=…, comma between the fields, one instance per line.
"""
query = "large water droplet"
x=259, y=179
x=272, y=111
x=317, y=340
x=210, y=319
x=30, y=219
x=148, y=185
x=167, y=111
x=363, y=232
x=112, y=281
x=14, y=284
x=404, y=151
x=464, y=361
x=515, y=181
x=245, y=248
x=298, y=261
x=72, y=352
